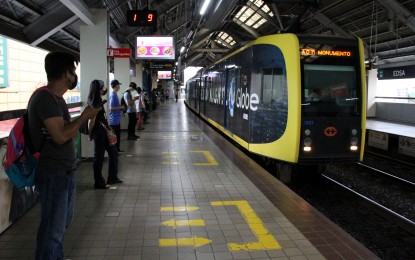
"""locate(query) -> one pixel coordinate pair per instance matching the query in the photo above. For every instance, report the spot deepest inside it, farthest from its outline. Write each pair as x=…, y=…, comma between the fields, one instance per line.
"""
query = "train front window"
x=329, y=90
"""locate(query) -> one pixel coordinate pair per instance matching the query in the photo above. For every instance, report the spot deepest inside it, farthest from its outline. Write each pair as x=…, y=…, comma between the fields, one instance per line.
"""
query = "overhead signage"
x=158, y=48
x=406, y=72
x=4, y=76
x=161, y=65
x=119, y=52
x=314, y=52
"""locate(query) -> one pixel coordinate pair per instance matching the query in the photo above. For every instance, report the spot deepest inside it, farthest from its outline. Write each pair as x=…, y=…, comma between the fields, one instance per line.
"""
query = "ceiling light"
x=182, y=49
x=204, y=7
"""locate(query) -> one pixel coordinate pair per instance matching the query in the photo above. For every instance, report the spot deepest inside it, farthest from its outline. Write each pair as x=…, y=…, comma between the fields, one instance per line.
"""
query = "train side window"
x=273, y=82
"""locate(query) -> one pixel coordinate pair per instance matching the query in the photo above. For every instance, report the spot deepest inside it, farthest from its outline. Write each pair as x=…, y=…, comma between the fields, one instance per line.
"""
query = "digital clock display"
x=142, y=18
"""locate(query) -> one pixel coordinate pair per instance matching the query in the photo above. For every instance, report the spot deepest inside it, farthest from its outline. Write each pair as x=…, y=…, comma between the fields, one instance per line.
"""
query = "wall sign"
x=4, y=76
x=405, y=72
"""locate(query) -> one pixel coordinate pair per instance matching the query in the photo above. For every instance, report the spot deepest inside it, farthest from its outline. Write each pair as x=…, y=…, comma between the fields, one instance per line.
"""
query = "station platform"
x=391, y=128
x=394, y=140
x=187, y=194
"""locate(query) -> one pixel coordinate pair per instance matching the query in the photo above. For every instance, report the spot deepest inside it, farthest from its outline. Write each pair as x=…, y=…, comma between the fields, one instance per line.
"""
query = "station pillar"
x=122, y=74
x=371, y=93
x=94, y=65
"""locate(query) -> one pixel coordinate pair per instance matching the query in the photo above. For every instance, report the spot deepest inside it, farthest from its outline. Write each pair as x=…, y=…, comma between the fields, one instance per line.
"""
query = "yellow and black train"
x=295, y=99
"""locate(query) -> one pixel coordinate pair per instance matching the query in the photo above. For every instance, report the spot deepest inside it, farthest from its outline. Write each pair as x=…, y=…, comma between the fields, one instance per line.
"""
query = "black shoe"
x=115, y=181
x=102, y=186
x=141, y=128
x=132, y=138
x=121, y=151
x=136, y=136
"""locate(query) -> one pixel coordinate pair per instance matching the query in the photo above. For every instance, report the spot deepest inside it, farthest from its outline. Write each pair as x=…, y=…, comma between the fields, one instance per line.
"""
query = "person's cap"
x=115, y=82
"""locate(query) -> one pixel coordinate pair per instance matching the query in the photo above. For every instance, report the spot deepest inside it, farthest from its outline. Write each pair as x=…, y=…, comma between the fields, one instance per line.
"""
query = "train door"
x=203, y=96
x=230, y=94
x=197, y=95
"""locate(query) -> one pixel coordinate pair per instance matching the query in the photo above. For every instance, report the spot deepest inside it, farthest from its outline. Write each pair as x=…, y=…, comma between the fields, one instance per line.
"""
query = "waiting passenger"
x=56, y=180
x=139, y=104
x=98, y=131
x=115, y=112
x=132, y=115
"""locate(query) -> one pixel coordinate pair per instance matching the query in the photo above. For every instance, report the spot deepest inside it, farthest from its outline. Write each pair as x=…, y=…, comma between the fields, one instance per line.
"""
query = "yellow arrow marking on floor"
x=184, y=223
x=209, y=158
x=181, y=208
x=266, y=241
x=193, y=241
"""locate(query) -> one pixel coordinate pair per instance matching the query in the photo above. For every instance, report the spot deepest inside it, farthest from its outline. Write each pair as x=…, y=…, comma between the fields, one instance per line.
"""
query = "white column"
x=371, y=92
x=122, y=73
x=93, y=50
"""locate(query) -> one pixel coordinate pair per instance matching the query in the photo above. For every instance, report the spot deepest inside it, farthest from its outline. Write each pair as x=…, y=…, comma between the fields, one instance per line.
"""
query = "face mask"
x=74, y=83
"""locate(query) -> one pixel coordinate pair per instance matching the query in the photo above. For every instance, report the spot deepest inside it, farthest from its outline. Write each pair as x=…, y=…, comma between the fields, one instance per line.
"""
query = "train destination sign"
x=314, y=52
x=406, y=72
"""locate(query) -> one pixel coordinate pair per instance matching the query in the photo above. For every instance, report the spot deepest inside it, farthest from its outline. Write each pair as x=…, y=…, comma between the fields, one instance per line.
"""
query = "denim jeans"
x=57, y=199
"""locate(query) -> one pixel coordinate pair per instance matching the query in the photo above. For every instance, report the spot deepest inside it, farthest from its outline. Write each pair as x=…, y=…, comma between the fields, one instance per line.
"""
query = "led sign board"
x=157, y=48
x=142, y=18
x=336, y=53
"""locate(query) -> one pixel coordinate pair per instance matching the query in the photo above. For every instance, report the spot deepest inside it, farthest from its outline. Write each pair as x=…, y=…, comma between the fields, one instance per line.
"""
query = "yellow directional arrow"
x=181, y=223
x=193, y=241
x=181, y=208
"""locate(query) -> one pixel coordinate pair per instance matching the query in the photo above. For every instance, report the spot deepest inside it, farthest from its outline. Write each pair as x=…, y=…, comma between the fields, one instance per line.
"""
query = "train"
x=292, y=99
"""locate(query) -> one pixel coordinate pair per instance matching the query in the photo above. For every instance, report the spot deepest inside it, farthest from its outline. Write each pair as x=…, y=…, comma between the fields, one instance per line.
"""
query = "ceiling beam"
x=404, y=14
x=329, y=23
x=48, y=24
x=80, y=9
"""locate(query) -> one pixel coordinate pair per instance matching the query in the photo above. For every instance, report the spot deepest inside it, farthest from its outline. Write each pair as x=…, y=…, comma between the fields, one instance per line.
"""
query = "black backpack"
x=123, y=103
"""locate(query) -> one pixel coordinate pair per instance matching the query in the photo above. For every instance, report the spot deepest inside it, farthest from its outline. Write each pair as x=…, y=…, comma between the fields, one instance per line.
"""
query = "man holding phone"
x=49, y=119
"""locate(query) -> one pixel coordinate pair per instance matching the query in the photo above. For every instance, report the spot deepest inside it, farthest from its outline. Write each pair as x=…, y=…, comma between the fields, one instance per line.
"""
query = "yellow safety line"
x=211, y=160
x=266, y=240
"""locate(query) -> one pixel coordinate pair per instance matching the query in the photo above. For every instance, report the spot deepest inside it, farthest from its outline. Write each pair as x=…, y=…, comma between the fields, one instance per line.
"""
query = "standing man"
x=115, y=112
x=131, y=111
x=56, y=182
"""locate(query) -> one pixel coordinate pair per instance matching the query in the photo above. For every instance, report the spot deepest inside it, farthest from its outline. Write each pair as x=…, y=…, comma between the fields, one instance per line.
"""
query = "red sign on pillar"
x=118, y=52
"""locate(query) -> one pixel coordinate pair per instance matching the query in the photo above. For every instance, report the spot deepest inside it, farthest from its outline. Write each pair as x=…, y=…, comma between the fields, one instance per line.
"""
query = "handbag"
x=111, y=136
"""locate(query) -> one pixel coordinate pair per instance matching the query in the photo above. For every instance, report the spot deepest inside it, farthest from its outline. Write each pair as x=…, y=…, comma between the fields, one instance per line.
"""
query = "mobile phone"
x=100, y=104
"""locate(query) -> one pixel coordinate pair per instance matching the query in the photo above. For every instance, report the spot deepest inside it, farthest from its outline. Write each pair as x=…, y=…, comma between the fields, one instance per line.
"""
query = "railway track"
x=376, y=210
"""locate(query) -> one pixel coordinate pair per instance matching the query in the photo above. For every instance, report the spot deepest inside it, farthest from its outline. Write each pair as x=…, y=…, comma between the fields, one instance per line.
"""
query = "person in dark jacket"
x=98, y=133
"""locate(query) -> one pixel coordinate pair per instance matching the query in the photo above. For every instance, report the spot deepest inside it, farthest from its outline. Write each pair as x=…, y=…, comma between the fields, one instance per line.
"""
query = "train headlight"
x=354, y=132
x=354, y=141
x=307, y=132
x=307, y=141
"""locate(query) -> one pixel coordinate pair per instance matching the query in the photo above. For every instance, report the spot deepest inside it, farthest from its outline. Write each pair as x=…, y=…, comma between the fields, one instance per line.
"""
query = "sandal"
x=102, y=186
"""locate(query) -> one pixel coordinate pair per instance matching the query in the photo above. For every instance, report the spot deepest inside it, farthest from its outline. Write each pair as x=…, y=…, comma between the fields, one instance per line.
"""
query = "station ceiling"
x=387, y=27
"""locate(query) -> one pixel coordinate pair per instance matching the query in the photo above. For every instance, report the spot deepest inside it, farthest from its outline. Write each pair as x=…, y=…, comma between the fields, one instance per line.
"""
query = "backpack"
x=20, y=161
x=123, y=103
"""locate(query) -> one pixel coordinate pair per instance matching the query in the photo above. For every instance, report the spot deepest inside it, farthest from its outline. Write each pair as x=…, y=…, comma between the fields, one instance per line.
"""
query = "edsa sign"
x=406, y=72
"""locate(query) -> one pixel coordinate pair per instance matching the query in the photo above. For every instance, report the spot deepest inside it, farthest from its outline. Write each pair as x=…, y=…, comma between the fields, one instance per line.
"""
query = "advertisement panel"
x=159, y=48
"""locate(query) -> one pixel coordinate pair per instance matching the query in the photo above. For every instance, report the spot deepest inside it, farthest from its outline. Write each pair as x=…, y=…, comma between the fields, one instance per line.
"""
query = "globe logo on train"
x=240, y=98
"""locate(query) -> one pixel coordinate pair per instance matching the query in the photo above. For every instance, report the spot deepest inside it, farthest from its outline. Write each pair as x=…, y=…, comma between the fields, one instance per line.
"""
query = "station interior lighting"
x=204, y=7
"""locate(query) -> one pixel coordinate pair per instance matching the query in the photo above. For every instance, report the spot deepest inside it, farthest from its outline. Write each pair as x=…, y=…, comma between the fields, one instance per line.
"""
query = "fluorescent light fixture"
x=182, y=49
x=204, y=7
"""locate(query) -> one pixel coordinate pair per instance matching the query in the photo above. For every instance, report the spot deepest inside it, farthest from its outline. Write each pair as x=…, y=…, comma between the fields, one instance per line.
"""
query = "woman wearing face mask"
x=98, y=133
